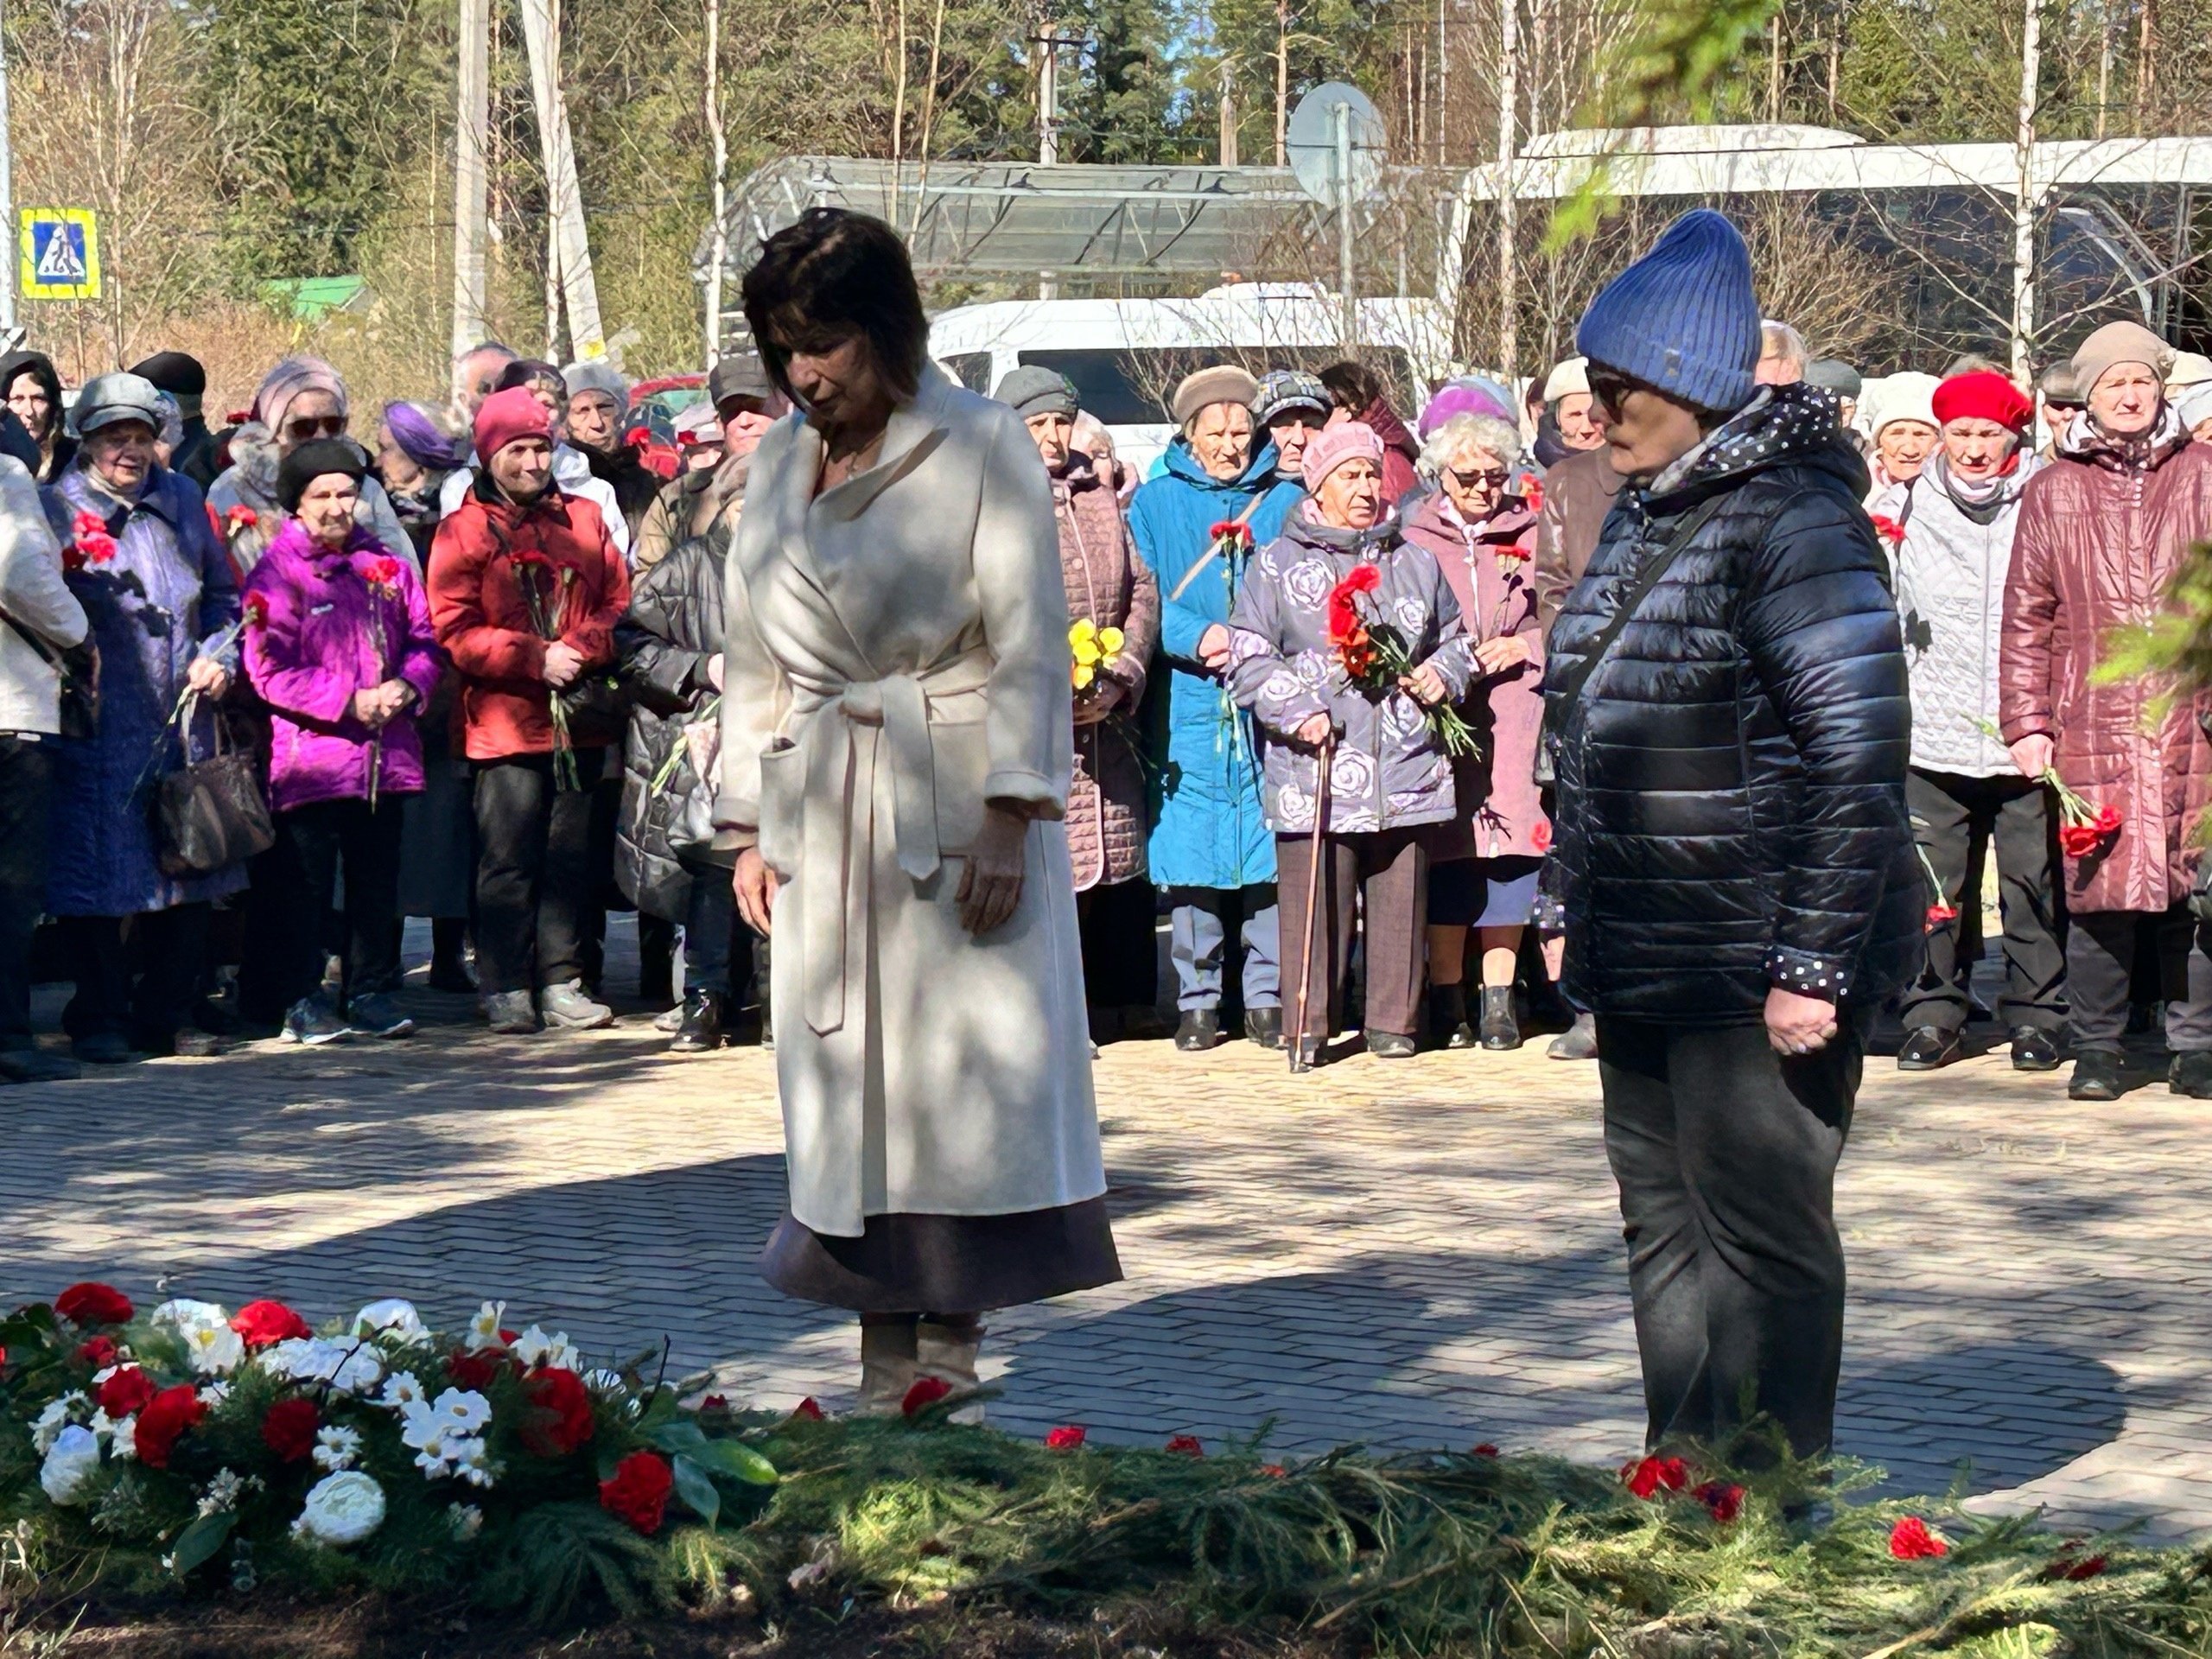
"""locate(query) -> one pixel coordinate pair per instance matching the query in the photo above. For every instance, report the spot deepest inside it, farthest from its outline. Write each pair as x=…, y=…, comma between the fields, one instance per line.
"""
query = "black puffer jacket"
x=1731, y=780
x=674, y=624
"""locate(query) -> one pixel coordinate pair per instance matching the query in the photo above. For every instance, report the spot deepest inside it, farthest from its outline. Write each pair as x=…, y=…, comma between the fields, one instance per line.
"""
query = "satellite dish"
x=1311, y=142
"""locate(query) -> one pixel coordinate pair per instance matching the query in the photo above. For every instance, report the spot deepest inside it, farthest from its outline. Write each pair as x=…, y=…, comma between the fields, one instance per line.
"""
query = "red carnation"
x=1541, y=836
x=1722, y=1500
x=477, y=1371
x=89, y=532
x=1939, y=914
x=925, y=1393
x=98, y=1352
x=2108, y=819
x=166, y=1417
x=1187, y=1446
x=2079, y=840
x=809, y=1409
x=1911, y=1541
x=562, y=1418
x=290, y=1428
x=241, y=517
x=93, y=1304
x=638, y=1492
x=1065, y=1438
x=261, y=1324
x=2067, y=1564
x=127, y=1391
x=1532, y=493
x=1488, y=1449
x=256, y=611
x=1235, y=529
x=1649, y=1476
x=381, y=573
x=1888, y=528
x=531, y=557
x=1517, y=550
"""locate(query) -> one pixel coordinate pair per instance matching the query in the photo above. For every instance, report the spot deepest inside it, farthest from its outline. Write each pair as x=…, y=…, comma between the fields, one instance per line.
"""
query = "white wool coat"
x=896, y=654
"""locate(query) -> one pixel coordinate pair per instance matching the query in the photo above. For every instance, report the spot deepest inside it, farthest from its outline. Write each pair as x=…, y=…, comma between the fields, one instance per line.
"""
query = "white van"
x=1125, y=356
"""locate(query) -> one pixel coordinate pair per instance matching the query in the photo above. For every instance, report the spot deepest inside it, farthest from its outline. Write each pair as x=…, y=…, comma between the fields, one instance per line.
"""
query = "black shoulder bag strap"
x=1571, y=683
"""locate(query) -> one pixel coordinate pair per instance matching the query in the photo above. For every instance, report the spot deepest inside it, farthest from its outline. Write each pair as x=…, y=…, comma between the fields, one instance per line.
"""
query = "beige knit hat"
x=1224, y=383
x=2116, y=343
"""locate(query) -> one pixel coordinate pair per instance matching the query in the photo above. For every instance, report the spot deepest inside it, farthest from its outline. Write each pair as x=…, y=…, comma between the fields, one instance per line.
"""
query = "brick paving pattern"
x=1418, y=1254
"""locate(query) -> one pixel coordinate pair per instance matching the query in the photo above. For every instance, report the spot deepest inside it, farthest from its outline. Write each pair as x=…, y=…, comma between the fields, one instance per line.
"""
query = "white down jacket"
x=1951, y=570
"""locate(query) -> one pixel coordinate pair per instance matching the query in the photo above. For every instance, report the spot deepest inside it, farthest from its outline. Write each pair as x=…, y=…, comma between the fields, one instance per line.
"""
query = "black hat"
x=738, y=375
x=178, y=373
x=317, y=460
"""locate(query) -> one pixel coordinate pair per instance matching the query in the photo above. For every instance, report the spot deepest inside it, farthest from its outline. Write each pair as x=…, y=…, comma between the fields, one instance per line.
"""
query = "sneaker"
x=103, y=1048
x=34, y=1065
x=2034, y=1050
x=1929, y=1049
x=1200, y=1031
x=510, y=1013
x=2190, y=1075
x=2096, y=1075
x=376, y=1014
x=702, y=1028
x=670, y=1020
x=311, y=1022
x=567, y=1008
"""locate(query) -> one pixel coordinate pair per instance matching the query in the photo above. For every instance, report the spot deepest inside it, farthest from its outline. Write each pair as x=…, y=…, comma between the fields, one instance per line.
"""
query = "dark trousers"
x=314, y=842
x=1119, y=929
x=712, y=932
x=1389, y=870
x=537, y=884
x=26, y=791
x=1961, y=816
x=1726, y=1153
x=2101, y=951
x=170, y=949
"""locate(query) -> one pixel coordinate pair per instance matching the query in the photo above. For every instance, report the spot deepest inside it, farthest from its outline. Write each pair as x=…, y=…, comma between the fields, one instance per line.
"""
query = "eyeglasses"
x=327, y=426
x=1608, y=388
x=1494, y=479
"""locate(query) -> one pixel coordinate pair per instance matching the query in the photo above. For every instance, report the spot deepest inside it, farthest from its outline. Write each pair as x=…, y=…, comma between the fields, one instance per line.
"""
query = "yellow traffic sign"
x=59, y=254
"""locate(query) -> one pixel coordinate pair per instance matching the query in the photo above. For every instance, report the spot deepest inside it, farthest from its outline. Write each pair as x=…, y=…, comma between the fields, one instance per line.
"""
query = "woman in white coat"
x=896, y=759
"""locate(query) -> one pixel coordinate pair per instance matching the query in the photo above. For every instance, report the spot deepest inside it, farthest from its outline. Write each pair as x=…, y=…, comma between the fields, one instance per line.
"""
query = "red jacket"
x=484, y=621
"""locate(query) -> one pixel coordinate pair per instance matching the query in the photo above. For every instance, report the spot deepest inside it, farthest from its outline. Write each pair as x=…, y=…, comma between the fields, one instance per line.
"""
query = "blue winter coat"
x=1208, y=828
x=166, y=595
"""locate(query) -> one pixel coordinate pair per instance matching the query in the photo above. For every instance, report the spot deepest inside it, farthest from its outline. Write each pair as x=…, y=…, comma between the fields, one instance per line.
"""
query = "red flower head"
x=562, y=1414
x=1533, y=493
x=381, y=572
x=1488, y=1449
x=93, y=1304
x=807, y=1410
x=127, y=1391
x=1231, y=530
x=1541, y=836
x=256, y=611
x=2109, y=821
x=1065, y=1438
x=260, y=1324
x=1888, y=528
x=925, y=1393
x=531, y=558
x=290, y=1428
x=1722, y=1500
x=94, y=545
x=1274, y=1471
x=1187, y=1446
x=2071, y=1565
x=478, y=1371
x=240, y=516
x=2079, y=840
x=1911, y=1541
x=1651, y=1476
x=1939, y=914
x=638, y=1492
x=164, y=1420
x=98, y=1352
x=1518, y=550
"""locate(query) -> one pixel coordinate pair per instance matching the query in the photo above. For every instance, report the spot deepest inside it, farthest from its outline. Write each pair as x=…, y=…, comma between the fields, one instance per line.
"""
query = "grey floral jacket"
x=1390, y=770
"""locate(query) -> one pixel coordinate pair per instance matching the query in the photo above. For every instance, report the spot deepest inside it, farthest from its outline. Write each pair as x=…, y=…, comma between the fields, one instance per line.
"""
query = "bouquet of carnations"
x=381, y=575
x=2083, y=827
x=1374, y=656
x=545, y=595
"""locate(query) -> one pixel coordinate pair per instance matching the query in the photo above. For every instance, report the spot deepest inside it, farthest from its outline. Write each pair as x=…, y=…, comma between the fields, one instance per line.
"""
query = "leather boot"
x=1578, y=1042
x=699, y=1027
x=888, y=1368
x=1264, y=1027
x=1500, y=1030
x=1447, y=1016
x=947, y=1353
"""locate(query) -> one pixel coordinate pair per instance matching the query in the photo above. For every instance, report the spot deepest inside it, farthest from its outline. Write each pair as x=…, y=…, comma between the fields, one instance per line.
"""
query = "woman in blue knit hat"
x=1730, y=720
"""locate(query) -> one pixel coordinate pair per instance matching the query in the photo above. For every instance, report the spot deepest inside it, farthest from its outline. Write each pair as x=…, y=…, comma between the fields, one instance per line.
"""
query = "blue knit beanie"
x=1682, y=318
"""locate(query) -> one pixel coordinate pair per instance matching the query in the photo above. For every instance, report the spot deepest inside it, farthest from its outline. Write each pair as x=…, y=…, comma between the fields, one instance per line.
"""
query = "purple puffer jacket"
x=330, y=632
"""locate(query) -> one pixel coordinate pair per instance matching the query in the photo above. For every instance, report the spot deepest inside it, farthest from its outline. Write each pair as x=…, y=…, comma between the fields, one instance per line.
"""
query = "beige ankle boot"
x=887, y=1369
x=949, y=1353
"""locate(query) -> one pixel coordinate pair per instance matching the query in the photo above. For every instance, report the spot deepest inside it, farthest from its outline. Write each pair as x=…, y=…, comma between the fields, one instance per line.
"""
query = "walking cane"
x=1313, y=902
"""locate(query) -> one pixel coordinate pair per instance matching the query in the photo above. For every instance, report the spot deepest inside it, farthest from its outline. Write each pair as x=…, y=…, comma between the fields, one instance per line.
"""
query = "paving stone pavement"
x=1408, y=1255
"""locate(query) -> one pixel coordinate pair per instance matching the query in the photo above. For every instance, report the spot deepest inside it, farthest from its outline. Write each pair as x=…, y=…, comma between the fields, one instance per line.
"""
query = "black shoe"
x=375, y=1014
x=311, y=1023
x=1499, y=1030
x=2191, y=1075
x=34, y=1065
x=1311, y=1052
x=701, y=1029
x=103, y=1048
x=2096, y=1075
x=1264, y=1027
x=2033, y=1050
x=451, y=976
x=1200, y=1031
x=1390, y=1046
x=1578, y=1042
x=511, y=1013
x=1927, y=1049
x=1447, y=1016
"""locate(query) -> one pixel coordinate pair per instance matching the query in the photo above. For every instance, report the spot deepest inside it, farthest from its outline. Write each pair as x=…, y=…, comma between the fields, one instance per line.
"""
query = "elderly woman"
x=572, y=469
x=599, y=409
x=142, y=559
x=1110, y=588
x=1389, y=780
x=896, y=750
x=1215, y=499
x=2102, y=531
x=1902, y=428
x=338, y=645
x=300, y=400
x=1483, y=865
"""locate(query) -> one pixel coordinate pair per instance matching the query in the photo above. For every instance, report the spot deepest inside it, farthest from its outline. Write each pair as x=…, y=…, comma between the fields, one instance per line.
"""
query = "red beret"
x=506, y=415
x=1983, y=395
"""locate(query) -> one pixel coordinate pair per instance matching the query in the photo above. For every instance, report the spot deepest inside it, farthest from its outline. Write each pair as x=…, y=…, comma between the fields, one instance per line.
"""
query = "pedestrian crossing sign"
x=59, y=251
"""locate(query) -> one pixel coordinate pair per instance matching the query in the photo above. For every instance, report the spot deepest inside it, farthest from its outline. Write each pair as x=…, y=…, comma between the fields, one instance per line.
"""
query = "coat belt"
x=853, y=730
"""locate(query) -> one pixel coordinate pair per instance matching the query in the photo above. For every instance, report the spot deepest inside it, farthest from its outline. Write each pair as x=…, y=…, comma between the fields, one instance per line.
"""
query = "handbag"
x=77, y=675
x=213, y=813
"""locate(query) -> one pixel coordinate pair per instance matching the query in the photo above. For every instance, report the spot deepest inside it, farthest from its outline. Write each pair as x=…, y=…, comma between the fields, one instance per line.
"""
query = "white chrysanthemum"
x=69, y=1465
x=341, y=1508
x=214, y=1349
x=347, y=1367
x=463, y=1411
x=184, y=1314
x=535, y=1348
x=336, y=1447
x=122, y=1440
x=484, y=1329
x=393, y=1317
x=471, y=1462
x=466, y=1521
x=58, y=1415
x=403, y=1391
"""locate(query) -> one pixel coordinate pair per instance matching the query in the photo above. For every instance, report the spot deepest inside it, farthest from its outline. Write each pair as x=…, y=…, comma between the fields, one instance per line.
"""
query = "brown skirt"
x=945, y=1264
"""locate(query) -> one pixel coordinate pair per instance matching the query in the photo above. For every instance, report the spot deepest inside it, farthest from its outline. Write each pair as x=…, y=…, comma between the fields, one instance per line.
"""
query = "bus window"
x=1131, y=386
x=972, y=369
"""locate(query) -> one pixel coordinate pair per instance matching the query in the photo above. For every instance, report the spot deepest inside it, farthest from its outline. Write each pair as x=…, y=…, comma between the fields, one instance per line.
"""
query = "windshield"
x=1130, y=385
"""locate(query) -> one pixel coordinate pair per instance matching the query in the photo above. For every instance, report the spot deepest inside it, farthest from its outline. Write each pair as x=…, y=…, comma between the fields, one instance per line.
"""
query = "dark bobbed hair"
x=528, y=372
x=834, y=274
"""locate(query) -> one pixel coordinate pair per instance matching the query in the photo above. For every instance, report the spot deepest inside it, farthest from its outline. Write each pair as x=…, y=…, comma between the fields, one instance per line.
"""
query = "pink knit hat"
x=507, y=415
x=1352, y=440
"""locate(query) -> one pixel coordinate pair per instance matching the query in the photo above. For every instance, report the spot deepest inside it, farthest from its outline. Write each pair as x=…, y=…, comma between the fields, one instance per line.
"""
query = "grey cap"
x=2058, y=384
x=1034, y=390
x=108, y=399
x=738, y=375
x=1834, y=374
x=597, y=374
x=1282, y=389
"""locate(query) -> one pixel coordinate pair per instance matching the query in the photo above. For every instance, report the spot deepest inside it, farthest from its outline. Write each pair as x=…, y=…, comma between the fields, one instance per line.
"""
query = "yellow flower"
x=1111, y=641
x=1084, y=674
x=1083, y=641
